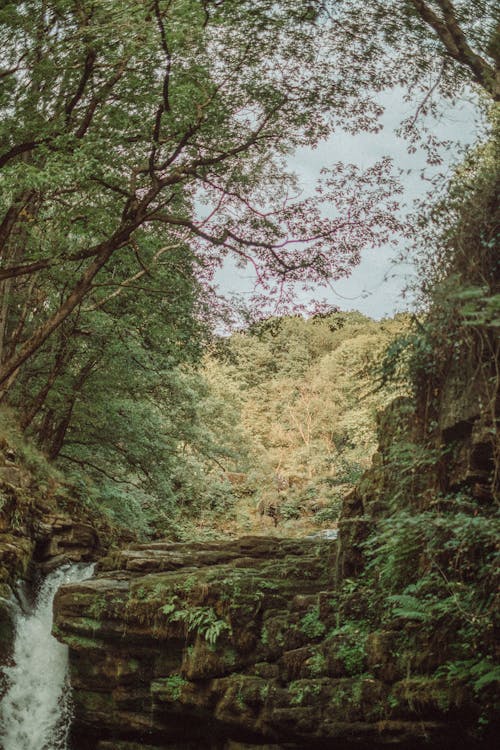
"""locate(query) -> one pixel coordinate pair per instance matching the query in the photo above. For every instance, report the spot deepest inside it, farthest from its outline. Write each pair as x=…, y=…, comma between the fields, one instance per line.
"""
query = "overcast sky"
x=376, y=286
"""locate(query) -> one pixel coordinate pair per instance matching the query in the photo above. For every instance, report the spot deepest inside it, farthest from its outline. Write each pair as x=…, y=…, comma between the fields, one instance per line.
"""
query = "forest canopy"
x=142, y=144
x=120, y=116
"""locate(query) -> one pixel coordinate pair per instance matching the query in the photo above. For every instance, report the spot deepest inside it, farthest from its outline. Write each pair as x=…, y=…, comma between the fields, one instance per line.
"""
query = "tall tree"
x=129, y=126
x=433, y=49
x=143, y=142
x=121, y=118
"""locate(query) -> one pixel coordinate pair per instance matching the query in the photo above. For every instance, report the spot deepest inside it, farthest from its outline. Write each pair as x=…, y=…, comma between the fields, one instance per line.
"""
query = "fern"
x=409, y=607
x=479, y=674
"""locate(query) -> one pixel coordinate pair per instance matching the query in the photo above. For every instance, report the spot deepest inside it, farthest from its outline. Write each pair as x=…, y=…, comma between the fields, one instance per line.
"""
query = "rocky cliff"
x=384, y=638
x=377, y=640
x=42, y=525
x=235, y=645
x=446, y=447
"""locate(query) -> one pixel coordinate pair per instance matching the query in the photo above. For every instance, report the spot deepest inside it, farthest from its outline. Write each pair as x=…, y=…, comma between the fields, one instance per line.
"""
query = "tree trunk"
x=42, y=333
x=42, y=394
x=62, y=428
x=5, y=292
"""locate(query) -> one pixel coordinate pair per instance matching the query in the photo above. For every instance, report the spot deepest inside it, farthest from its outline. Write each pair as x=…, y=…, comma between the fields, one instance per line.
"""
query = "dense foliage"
x=130, y=128
x=305, y=393
x=113, y=396
x=430, y=566
x=143, y=143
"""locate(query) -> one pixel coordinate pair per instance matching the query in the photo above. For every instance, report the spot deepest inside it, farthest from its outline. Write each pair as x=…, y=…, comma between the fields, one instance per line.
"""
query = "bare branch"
x=85, y=77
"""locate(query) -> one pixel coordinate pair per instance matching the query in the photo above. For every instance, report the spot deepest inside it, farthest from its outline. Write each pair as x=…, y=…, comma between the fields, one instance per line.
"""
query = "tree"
x=144, y=142
x=122, y=118
x=399, y=42
x=433, y=49
x=307, y=398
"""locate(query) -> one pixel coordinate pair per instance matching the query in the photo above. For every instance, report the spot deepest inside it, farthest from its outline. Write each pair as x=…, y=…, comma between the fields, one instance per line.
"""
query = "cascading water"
x=35, y=712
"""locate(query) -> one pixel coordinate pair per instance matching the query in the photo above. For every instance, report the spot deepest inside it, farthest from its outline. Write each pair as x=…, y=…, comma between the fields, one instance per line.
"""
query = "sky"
x=376, y=286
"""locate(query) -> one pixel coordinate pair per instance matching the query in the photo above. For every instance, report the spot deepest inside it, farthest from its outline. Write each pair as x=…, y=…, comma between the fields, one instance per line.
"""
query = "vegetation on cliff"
x=420, y=535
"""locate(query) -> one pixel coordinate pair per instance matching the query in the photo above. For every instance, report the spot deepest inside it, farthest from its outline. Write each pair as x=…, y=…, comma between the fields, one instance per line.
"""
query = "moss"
x=93, y=702
x=317, y=664
x=170, y=687
x=305, y=692
x=264, y=636
x=201, y=660
x=98, y=607
x=80, y=643
x=424, y=694
x=7, y=633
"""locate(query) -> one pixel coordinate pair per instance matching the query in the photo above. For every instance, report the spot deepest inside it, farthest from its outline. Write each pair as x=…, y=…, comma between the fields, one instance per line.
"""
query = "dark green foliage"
x=125, y=415
x=348, y=644
x=311, y=624
x=431, y=557
x=120, y=120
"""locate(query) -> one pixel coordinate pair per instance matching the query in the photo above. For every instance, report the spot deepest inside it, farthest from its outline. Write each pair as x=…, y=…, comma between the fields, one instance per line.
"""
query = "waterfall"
x=35, y=712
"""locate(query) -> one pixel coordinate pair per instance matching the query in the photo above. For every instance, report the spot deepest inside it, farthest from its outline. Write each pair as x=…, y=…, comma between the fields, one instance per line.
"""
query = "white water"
x=35, y=712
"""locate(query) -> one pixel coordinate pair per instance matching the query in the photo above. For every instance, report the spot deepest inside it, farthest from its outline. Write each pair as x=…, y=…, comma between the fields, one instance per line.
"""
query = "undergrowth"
x=431, y=571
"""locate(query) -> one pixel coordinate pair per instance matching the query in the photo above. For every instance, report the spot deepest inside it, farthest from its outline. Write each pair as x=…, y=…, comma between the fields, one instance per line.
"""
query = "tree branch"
x=455, y=42
x=85, y=77
x=84, y=463
x=127, y=282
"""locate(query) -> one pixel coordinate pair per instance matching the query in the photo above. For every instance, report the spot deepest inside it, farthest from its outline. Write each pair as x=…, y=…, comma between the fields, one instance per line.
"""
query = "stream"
x=35, y=712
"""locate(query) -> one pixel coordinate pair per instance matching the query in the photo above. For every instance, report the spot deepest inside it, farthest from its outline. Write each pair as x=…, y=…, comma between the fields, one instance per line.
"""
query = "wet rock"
x=15, y=555
x=60, y=538
x=7, y=625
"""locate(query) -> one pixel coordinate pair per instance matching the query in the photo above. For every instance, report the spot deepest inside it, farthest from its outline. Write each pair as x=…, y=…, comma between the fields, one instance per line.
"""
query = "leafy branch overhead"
x=131, y=126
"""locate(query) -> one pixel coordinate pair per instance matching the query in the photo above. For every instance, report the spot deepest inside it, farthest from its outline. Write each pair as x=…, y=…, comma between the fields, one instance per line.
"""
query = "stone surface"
x=42, y=525
x=463, y=423
x=233, y=645
x=59, y=538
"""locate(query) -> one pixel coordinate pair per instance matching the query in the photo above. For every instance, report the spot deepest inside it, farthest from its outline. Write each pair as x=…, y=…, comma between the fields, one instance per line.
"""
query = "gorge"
x=257, y=642
x=256, y=521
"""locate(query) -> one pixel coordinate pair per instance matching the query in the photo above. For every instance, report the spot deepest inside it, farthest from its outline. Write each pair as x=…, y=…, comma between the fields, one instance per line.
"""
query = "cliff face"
x=238, y=644
x=459, y=458
x=42, y=525
x=40, y=521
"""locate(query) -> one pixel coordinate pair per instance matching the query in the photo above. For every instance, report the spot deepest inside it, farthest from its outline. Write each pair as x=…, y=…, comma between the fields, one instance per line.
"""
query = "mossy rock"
x=7, y=624
x=15, y=555
x=433, y=697
x=201, y=660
